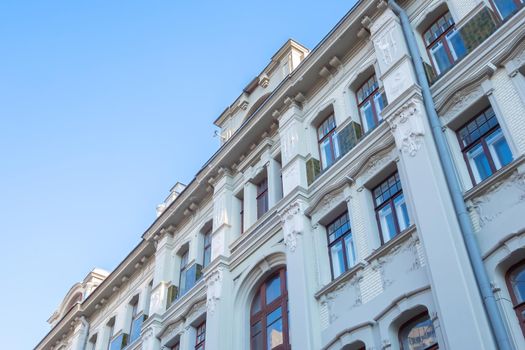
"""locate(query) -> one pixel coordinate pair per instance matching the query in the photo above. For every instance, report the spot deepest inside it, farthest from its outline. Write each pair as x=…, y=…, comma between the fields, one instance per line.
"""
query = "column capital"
x=292, y=219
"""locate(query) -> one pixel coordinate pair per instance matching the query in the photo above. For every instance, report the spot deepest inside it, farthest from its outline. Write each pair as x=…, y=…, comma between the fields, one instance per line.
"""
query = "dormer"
x=175, y=191
x=78, y=293
x=282, y=64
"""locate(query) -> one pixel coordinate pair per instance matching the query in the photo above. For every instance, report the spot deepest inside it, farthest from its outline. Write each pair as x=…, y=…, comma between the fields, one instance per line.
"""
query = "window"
x=207, y=249
x=269, y=315
x=444, y=43
x=262, y=197
x=182, y=273
x=327, y=139
x=200, y=336
x=418, y=334
x=391, y=209
x=506, y=8
x=516, y=286
x=136, y=322
x=175, y=347
x=111, y=329
x=483, y=145
x=341, y=245
x=371, y=101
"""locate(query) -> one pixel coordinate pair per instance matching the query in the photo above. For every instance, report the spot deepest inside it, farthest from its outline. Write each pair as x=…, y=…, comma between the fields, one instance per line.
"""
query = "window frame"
x=408, y=323
x=481, y=140
x=519, y=307
x=370, y=98
x=329, y=135
x=443, y=39
x=183, y=268
x=206, y=247
x=267, y=309
x=262, y=197
x=342, y=240
x=200, y=330
x=389, y=202
x=135, y=315
x=519, y=5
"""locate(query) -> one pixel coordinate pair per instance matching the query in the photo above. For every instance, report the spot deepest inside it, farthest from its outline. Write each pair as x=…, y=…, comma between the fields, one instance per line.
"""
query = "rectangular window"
x=241, y=213
x=371, y=102
x=262, y=198
x=136, y=323
x=327, y=140
x=176, y=346
x=391, y=209
x=207, y=249
x=506, y=8
x=483, y=145
x=341, y=245
x=182, y=273
x=444, y=44
x=200, y=337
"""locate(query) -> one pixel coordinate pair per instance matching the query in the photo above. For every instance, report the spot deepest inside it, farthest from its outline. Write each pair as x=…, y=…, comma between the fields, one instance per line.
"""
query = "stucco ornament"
x=214, y=288
x=387, y=46
x=293, y=225
x=407, y=127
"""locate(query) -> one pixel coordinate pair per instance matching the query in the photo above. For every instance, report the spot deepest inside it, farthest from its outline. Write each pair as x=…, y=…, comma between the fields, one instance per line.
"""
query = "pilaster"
x=301, y=275
x=163, y=273
x=223, y=215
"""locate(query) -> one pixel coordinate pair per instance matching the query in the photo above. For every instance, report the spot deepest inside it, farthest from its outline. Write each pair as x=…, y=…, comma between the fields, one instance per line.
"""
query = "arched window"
x=418, y=334
x=269, y=315
x=516, y=285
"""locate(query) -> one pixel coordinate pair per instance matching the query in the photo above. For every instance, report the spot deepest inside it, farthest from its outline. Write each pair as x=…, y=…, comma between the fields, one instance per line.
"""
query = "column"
x=219, y=306
x=80, y=334
x=298, y=236
x=293, y=148
x=458, y=303
x=149, y=336
x=250, y=204
x=223, y=215
x=301, y=274
x=275, y=188
x=163, y=274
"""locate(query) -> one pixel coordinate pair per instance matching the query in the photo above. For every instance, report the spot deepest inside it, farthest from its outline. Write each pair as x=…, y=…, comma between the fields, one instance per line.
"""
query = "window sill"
x=355, y=271
x=387, y=247
x=485, y=185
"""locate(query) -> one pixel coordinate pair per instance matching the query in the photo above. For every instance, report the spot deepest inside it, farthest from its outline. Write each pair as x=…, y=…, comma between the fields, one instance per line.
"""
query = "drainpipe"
x=467, y=231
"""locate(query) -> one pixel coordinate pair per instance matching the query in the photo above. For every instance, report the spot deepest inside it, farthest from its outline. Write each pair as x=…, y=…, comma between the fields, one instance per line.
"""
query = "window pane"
x=367, y=114
x=517, y=281
x=207, y=256
x=274, y=329
x=336, y=253
x=499, y=149
x=386, y=220
x=440, y=58
x=479, y=163
x=350, y=251
x=335, y=144
x=402, y=212
x=505, y=7
x=257, y=337
x=456, y=44
x=273, y=289
x=326, y=153
x=136, y=327
x=418, y=335
x=380, y=102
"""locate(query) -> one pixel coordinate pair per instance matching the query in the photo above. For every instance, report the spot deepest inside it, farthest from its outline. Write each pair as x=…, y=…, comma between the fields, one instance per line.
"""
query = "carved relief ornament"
x=407, y=127
x=293, y=225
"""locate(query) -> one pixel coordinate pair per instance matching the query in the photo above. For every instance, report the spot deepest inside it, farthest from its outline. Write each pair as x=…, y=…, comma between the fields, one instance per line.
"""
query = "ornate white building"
x=369, y=193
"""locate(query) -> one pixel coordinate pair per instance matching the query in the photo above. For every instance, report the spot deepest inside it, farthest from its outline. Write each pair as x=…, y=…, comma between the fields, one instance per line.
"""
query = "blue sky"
x=104, y=105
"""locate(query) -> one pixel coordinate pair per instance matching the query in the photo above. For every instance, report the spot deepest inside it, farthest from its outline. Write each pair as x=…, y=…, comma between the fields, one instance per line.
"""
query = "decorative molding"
x=292, y=222
x=406, y=125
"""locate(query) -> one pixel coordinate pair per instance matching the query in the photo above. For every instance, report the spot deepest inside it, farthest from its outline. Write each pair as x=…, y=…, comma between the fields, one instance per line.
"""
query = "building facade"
x=326, y=220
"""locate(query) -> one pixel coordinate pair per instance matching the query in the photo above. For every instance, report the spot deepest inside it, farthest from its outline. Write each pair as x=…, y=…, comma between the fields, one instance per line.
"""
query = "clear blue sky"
x=104, y=105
